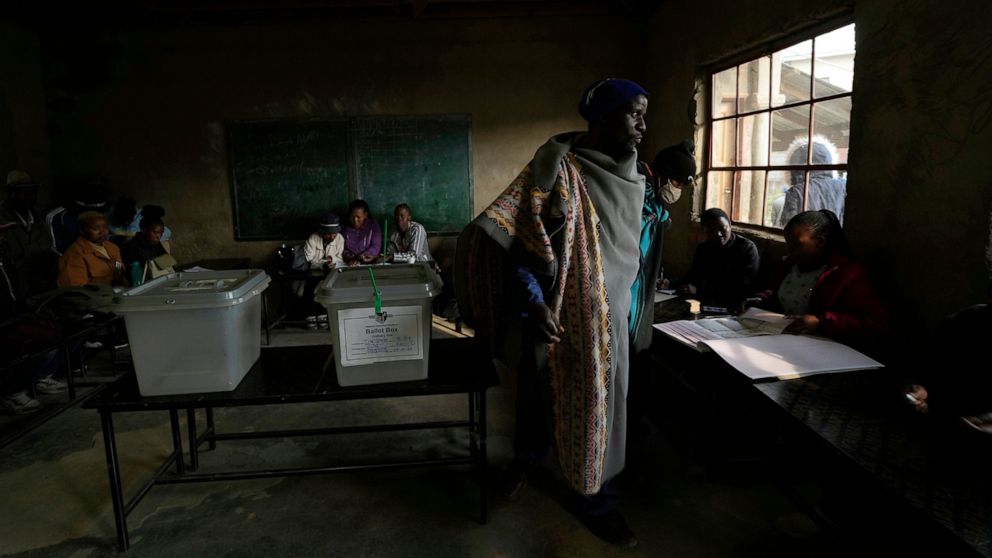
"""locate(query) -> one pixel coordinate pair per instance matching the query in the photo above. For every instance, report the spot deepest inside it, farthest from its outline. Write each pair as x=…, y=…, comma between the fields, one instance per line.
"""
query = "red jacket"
x=845, y=302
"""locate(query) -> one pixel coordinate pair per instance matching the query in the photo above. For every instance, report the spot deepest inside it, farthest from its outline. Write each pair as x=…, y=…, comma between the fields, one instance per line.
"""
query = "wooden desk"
x=297, y=375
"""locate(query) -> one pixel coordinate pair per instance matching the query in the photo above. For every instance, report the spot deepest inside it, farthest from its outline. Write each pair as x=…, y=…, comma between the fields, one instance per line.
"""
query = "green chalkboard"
x=286, y=173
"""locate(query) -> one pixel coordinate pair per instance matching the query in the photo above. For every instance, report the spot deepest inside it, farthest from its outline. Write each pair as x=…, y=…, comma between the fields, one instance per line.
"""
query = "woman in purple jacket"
x=362, y=236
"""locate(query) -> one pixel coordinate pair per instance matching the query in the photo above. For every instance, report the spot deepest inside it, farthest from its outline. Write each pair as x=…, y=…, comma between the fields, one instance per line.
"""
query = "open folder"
x=754, y=345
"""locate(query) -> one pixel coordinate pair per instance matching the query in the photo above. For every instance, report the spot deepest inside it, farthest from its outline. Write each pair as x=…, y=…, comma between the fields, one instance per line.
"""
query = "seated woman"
x=819, y=284
x=409, y=237
x=725, y=265
x=362, y=236
x=146, y=245
x=91, y=259
x=325, y=248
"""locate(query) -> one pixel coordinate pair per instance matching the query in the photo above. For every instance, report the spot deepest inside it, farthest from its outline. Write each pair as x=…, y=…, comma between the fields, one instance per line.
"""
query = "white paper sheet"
x=366, y=338
x=789, y=356
x=662, y=297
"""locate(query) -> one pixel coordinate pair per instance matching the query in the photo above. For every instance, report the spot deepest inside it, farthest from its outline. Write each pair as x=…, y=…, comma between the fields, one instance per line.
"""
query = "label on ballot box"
x=367, y=338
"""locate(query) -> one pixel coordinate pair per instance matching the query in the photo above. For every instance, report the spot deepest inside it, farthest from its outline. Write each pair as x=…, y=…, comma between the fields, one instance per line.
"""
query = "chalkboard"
x=286, y=173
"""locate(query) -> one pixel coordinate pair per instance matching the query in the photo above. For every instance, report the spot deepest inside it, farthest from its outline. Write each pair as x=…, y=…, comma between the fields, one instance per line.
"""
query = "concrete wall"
x=24, y=140
x=144, y=109
x=919, y=194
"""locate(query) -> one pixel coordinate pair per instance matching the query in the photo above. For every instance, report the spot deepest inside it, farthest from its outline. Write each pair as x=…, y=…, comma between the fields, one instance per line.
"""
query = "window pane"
x=754, y=86
x=834, y=63
x=720, y=190
x=832, y=121
x=725, y=93
x=791, y=74
x=724, y=143
x=751, y=189
x=753, y=140
x=789, y=127
x=778, y=183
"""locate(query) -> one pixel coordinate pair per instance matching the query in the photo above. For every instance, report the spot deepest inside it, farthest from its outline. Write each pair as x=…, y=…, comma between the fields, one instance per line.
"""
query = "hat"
x=676, y=162
x=19, y=179
x=330, y=223
x=89, y=215
x=91, y=197
x=605, y=96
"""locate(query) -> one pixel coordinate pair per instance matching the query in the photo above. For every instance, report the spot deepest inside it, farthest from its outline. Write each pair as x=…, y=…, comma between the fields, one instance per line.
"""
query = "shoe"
x=92, y=345
x=513, y=482
x=121, y=344
x=19, y=403
x=311, y=322
x=49, y=386
x=612, y=528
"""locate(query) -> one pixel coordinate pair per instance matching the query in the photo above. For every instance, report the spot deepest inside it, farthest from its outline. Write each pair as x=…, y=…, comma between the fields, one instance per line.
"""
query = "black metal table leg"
x=473, y=426
x=194, y=456
x=69, y=381
x=113, y=471
x=212, y=445
x=177, y=441
x=483, y=459
x=265, y=316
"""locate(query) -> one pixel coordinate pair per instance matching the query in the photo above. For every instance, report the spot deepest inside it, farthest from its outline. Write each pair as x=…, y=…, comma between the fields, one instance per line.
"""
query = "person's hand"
x=807, y=323
x=663, y=283
x=916, y=396
x=546, y=326
x=352, y=263
x=368, y=259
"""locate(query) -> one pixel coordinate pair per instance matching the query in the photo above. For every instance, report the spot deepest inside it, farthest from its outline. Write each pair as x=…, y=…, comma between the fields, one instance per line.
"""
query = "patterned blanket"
x=555, y=232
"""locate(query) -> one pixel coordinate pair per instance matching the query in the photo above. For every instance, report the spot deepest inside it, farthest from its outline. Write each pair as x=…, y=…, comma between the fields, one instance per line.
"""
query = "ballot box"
x=380, y=321
x=193, y=332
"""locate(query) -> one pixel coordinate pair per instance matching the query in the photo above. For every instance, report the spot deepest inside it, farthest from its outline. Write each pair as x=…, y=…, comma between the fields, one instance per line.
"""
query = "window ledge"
x=763, y=233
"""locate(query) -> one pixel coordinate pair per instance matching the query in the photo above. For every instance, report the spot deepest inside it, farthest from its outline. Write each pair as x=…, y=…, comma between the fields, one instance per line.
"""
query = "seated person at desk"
x=325, y=248
x=409, y=237
x=362, y=236
x=22, y=333
x=91, y=259
x=146, y=246
x=724, y=267
x=819, y=284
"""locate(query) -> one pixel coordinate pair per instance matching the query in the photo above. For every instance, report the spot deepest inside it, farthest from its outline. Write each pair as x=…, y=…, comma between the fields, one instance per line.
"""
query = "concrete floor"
x=56, y=502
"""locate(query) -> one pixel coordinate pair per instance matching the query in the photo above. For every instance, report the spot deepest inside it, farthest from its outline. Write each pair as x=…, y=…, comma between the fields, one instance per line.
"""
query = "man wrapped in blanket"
x=545, y=276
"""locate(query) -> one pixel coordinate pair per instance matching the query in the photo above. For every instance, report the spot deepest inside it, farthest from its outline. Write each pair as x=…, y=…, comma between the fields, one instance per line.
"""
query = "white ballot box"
x=194, y=332
x=388, y=343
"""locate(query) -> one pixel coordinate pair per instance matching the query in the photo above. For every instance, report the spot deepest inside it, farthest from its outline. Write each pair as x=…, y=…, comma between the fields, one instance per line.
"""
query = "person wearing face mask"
x=725, y=265
x=673, y=169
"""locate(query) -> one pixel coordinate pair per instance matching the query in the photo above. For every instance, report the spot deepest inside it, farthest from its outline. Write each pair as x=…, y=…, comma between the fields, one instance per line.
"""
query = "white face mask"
x=669, y=193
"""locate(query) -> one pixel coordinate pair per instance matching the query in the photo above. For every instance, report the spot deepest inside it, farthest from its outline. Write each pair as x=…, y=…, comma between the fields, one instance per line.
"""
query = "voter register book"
x=754, y=344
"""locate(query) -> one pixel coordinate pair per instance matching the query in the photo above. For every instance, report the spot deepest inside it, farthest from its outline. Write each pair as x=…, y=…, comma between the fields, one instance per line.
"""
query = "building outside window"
x=762, y=115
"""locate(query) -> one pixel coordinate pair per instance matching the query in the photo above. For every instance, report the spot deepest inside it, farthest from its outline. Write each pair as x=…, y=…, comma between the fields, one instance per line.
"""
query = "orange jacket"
x=82, y=265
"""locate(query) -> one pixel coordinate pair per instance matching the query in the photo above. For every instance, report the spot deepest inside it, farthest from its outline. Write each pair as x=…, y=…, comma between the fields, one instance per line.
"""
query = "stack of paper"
x=754, y=345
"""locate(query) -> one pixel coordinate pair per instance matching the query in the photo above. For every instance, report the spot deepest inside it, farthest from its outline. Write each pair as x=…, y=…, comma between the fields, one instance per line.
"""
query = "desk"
x=941, y=472
x=296, y=375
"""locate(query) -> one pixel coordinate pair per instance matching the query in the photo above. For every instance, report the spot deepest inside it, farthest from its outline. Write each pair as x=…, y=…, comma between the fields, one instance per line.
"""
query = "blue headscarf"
x=605, y=96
